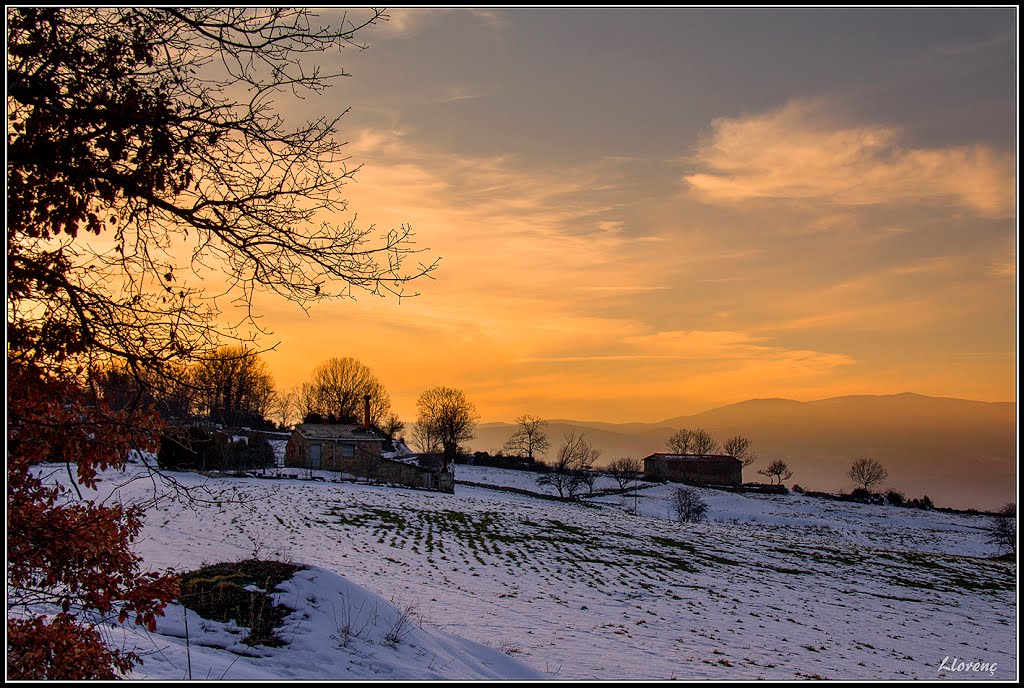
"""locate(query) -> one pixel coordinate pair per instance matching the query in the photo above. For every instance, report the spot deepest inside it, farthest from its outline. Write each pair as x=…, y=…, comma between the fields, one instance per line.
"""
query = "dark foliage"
x=195, y=448
x=895, y=497
x=218, y=592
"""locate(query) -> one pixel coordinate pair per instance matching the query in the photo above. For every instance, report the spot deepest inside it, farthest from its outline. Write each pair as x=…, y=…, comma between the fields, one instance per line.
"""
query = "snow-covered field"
x=774, y=587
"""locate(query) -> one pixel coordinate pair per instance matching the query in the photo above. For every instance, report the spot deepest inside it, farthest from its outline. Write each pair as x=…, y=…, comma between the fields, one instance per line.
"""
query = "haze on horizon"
x=646, y=213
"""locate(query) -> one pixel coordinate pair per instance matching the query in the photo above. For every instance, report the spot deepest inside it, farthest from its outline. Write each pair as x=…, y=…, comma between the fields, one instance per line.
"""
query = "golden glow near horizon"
x=761, y=245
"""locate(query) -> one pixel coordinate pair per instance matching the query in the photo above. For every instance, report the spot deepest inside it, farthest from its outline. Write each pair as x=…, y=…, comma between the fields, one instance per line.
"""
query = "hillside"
x=960, y=453
x=770, y=587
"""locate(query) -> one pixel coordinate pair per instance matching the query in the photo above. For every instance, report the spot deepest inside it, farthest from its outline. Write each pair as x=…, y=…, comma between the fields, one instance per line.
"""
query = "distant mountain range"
x=960, y=453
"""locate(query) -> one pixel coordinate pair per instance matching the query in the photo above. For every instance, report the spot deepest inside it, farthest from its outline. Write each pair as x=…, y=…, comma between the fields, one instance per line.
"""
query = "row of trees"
x=230, y=386
x=699, y=442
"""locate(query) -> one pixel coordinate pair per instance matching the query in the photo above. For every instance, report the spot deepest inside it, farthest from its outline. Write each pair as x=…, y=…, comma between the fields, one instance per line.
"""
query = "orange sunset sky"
x=645, y=213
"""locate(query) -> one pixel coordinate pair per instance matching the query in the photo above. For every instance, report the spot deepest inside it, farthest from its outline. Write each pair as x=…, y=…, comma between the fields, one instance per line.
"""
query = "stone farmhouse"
x=360, y=452
x=694, y=469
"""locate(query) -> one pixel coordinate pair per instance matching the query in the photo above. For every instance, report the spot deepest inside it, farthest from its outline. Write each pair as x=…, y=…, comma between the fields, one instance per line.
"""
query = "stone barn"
x=360, y=452
x=329, y=447
x=694, y=469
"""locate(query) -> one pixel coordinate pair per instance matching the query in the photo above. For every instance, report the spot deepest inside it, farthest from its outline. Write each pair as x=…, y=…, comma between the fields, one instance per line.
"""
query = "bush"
x=197, y=449
x=254, y=453
x=798, y=489
x=895, y=497
x=218, y=592
x=688, y=505
x=1002, y=530
x=923, y=503
x=191, y=448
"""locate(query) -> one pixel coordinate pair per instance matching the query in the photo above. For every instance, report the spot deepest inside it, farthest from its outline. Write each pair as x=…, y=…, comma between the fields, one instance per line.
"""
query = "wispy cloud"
x=802, y=151
x=456, y=93
x=406, y=21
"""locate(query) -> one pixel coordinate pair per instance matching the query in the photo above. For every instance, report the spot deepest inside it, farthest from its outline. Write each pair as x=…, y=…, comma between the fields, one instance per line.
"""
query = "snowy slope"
x=338, y=630
x=775, y=588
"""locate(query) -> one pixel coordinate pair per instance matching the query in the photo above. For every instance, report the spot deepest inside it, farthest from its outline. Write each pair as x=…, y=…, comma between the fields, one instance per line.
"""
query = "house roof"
x=349, y=433
x=709, y=458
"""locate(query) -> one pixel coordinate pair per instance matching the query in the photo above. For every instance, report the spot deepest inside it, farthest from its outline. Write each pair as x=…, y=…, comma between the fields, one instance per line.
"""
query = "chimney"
x=366, y=411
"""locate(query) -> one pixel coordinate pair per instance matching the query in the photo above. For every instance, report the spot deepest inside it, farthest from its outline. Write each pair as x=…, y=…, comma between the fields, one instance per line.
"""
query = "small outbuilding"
x=714, y=469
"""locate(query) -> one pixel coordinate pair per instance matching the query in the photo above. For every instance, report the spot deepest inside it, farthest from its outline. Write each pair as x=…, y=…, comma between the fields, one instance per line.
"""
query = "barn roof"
x=349, y=433
x=707, y=458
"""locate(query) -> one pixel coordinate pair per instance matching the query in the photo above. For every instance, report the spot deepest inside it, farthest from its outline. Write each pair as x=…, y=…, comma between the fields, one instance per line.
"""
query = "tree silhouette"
x=681, y=442
x=1002, y=529
x=573, y=466
x=777, y=470
x=445, y=417
x=145, y=158
x=339, y=388
x=867, y=472
x=529, y=437
x=739, y=447
x=233, y=387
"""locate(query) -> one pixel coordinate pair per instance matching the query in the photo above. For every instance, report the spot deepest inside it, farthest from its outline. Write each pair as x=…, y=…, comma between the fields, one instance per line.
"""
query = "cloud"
x=800, y=152
x=742, y=347
x=407, y=21
x=700, y=349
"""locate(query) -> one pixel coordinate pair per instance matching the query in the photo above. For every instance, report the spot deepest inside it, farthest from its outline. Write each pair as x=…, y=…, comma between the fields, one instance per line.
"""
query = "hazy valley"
x=960, y=453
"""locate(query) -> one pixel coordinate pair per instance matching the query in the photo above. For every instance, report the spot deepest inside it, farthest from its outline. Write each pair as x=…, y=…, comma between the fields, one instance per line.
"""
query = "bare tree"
x=233, y=387
x=339, y=388
x=573, y=466
x=867, y=472
x=698, y=442
x=170, y=147
x=561, y=478
x=172, y=396
x=1002, y=529
x=681, y=442
x=688, y=505
x=704, y=443
x=626, y=471
x=425, y=438
x=777, y=470
x=739, y=447
x=146, y=162
x=529, y=437
x=446, y=414
x=286, y=408
x=392, y=427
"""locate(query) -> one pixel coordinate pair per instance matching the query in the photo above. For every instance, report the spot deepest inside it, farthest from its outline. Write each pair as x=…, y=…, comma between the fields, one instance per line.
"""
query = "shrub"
x=401, y=626
x=923, y=503
x=218, y=592
x=191, y=448
x=688, y=505
x=197, y=449
x=254, y=453
x=1002, y=530
x=895, y=497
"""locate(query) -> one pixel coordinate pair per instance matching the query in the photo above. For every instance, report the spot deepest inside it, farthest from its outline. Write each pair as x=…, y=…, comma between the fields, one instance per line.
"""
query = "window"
x=348, y=450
